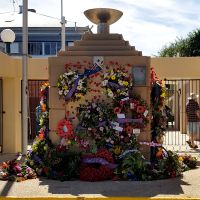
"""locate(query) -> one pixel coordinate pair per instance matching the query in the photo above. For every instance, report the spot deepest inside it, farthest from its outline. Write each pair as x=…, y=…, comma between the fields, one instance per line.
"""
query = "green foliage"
x=133, y=167
x=64, y=165
x=185, y=47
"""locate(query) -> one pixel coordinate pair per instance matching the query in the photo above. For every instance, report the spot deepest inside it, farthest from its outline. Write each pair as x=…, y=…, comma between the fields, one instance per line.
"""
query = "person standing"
x=193, y=119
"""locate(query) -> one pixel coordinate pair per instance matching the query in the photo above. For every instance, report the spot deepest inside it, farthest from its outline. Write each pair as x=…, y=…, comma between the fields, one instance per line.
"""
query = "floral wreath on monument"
x=94, y=121
x=136, y=107
x=116, y=83
x=71, y=86
x=65, y=129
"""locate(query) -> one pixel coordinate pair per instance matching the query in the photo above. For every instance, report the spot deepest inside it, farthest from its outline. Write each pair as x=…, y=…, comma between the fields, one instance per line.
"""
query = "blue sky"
x=146, y=24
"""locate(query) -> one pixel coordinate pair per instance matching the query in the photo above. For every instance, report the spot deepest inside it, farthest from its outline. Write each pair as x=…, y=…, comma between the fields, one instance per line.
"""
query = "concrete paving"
x=187, y=186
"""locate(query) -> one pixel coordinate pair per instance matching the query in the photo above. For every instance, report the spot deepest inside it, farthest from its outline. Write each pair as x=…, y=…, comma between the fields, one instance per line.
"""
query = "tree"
x=184, y=47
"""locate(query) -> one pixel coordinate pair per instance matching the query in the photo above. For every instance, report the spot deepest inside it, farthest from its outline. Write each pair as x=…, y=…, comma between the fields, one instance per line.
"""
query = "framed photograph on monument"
x=139, y=75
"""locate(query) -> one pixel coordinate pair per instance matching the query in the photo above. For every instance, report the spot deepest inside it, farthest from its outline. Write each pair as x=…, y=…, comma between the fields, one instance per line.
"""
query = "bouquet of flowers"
x=11, y=170
x=189, y=161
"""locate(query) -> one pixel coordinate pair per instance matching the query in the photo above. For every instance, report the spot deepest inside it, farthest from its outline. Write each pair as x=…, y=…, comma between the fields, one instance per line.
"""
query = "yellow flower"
x=65, y=87
x=125, y=83
x=180, y=158
x=113, y=77
x=109, y=90
x=69, y=142
x=79, y=95
x=117, y=150
x=118, y=91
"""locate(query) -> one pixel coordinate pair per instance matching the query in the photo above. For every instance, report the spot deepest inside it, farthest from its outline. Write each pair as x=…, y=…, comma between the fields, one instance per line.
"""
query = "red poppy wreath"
x=97, y=167
x=65, y=129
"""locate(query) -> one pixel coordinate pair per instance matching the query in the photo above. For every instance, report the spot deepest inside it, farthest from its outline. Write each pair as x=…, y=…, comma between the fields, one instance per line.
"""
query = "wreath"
x=116, y=83
x=94, y=121
x=97, y=167
x=65, y=129
x=71, y=86
x=136, y=109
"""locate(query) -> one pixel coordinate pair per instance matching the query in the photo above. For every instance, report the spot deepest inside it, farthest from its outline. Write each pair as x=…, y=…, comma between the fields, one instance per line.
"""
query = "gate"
x=34, y=101
x=178, y=93
x=1, y=115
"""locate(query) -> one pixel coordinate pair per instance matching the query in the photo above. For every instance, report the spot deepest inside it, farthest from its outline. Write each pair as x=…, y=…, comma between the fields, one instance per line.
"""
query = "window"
x=35, y=48
x=58, y=46
x=2, y=46
x=50, y=48
x=14, y=47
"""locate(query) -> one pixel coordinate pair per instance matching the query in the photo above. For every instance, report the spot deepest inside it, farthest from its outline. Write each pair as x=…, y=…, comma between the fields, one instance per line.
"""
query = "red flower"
x=121, y=103
x=129, y=130
x=117, y=110
x=41, y=136
x=140, y=109
x=89, y=172
x=65, y=129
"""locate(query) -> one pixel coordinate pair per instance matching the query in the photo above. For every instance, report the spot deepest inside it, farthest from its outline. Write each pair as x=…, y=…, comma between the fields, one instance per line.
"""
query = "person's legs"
x=193, y=129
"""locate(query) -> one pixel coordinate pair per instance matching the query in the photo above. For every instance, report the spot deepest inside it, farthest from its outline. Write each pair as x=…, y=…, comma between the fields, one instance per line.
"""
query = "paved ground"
x=187, y=186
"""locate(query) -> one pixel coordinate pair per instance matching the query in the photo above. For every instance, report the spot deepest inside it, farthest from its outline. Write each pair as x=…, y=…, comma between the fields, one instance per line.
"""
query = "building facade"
x=43, y=41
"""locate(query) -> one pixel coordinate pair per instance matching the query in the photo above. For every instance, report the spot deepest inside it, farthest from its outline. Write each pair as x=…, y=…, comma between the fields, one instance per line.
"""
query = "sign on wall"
x=139, y=75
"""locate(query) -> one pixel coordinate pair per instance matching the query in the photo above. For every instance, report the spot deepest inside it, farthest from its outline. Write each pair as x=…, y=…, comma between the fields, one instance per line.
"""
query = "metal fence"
x=178, y=93
x=34, y=101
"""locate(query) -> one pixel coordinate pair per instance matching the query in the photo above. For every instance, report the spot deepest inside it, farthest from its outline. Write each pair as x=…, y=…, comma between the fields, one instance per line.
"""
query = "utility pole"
x=63, y=21
x=24, y=78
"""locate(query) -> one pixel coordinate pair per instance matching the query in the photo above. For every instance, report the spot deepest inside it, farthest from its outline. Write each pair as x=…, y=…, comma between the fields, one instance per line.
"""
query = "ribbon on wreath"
x=99, y=161
x=115, y=86
x=151, y=144
x=73, y=89
x=87, y=73
x=125, y=120
x=127, y=151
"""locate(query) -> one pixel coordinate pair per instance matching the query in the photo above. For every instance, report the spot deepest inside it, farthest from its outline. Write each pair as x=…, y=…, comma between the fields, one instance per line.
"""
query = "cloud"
x=147, y=24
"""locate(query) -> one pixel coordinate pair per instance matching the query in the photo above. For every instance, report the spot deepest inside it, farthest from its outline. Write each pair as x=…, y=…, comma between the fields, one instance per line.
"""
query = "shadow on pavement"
x=116, y=188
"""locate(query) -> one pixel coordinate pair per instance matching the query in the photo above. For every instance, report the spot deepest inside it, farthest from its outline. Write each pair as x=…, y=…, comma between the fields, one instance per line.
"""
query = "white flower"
x=105, y=82
x=65, y=92
x=120, y=82
x=63, y=82
x=110, y=94
x=94, y=105
x=112, y=142
x=79, y=87
x=80, y=82
x=105, y=75
x=60, y=92
x=69, y=73
x=75, y=77
x=89, y=129
x=101, y=129
x=98, y=109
